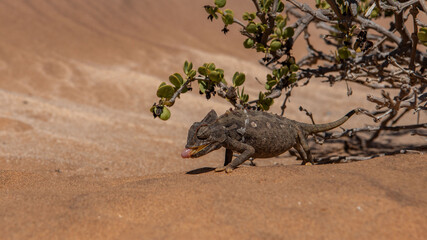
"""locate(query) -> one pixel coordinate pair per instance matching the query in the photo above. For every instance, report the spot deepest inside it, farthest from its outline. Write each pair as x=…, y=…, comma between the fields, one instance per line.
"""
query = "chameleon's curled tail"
x=315, y=128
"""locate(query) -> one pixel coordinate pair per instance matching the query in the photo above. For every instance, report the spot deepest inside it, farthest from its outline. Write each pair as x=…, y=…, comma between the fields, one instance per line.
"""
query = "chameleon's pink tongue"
x=186, y=153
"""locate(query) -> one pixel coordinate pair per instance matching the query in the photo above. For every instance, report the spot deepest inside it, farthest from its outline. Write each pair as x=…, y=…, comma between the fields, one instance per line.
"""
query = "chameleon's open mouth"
x=188, y=152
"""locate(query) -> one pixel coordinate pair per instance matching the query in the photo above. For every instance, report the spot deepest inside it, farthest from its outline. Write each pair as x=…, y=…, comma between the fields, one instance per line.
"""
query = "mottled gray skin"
x=253, y=134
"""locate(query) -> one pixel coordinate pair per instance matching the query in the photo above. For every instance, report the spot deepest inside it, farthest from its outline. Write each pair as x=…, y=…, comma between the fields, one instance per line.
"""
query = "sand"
x=81, y=157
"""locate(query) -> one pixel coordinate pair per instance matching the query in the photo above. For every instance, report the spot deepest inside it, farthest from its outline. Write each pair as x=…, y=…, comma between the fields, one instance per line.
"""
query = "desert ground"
x=81, y=156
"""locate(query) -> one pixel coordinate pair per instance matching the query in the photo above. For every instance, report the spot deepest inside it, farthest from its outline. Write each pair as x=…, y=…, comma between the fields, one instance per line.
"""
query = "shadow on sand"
x=200, y=170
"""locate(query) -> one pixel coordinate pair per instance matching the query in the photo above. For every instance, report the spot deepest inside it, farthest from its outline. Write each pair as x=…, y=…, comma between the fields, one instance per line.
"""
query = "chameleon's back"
x=269, y=134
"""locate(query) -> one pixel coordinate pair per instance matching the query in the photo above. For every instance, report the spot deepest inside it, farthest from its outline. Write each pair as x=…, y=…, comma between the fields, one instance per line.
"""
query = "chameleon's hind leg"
x=301, y=152
x=304, y=144
x=228, y=158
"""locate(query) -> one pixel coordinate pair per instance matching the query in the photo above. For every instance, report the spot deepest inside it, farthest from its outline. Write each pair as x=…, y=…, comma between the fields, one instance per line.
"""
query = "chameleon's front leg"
x=246, y=152
x=228, y=156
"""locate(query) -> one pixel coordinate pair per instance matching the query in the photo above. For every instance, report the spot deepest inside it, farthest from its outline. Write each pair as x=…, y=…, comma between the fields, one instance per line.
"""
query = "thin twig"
x=353, y=131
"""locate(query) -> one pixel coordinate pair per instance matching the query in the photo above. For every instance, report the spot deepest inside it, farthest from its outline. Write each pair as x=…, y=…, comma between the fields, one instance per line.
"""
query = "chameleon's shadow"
x=200, y=170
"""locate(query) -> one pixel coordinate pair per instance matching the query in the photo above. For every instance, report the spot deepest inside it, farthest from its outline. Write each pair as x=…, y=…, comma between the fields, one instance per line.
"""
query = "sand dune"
x=345, y=201
x=82, y=157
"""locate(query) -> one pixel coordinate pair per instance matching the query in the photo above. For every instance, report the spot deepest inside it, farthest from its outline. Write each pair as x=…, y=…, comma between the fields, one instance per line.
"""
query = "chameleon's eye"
x=203, y=132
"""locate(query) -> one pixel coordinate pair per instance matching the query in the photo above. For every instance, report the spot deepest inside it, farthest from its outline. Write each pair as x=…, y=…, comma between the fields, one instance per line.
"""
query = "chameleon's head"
x=204, y=137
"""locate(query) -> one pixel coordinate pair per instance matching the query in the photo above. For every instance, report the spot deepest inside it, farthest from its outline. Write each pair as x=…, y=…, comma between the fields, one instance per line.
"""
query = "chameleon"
x=253, y=134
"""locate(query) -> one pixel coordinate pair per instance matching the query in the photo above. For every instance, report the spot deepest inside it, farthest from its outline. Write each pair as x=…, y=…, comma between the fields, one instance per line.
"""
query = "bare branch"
x=344, y=159
x=370, y=24
x=414, y=13
x=305, y=8
x=335, y=8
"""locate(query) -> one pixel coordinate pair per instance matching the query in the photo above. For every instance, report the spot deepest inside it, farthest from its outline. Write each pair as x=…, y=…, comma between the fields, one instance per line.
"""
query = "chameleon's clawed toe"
x=228, y=169
x=220, y=169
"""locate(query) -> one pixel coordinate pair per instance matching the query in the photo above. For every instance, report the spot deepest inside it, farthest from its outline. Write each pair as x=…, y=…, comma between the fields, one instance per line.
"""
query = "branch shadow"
x=200, y=171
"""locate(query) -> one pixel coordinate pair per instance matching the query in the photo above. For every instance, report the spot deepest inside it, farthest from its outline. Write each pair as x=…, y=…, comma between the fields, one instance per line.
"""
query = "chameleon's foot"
x=307, y=163
x=220, y=169
x=227, y=169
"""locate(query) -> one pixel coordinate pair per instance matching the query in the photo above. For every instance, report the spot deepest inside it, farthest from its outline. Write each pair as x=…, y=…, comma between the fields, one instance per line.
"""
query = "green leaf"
x=275, y=45
x=236, y=74
x=344, y=53
x=152, y=108
x=176, y=80
x=228, y=17
x=267, y=4
x=248, y=16
x=210, y=66
x=202, y=70
x=166, y=114
x=284, y=70
x=375, y=13
x=261, y=96
x=260, y=47
x=248, y=43
x=245, y=16
x=165, y=91
x=251, y=28
x=281, y=24
x=244, y=98
x=278, y=32
x=215, y=76
x=267, y=104
x=192, y=73
x=263, y=27
x=238, y=79
x=293, y=78
x=422, y=36
x=280, y=7
x=270, y=84
x=202, y=86
x=220, y=3
x=294, y=68
x=184, y=90
x=187, y=67
x=325, y=5
x=288, y=32
x=277, y=73
x=221, y=72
